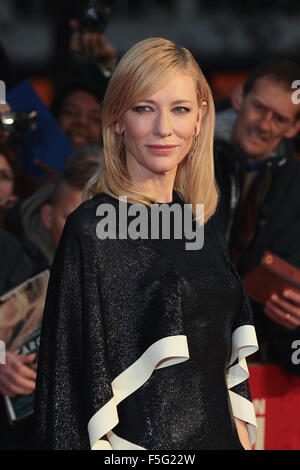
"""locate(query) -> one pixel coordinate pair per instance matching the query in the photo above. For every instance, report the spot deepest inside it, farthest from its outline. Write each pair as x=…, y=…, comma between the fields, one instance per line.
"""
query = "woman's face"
x=159, y=130
x=6, y=178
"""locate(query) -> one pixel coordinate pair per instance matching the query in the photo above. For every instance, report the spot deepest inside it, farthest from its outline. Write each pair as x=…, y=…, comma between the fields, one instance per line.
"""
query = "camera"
x=94, y=16
x=18, y=123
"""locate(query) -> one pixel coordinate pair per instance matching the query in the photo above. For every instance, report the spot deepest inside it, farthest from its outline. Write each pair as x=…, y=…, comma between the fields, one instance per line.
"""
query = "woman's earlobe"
x=202, y=112
x=204, y=107
x=118, y=129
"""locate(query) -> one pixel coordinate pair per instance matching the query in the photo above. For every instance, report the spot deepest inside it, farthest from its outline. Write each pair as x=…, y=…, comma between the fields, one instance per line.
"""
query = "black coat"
x=113, y=362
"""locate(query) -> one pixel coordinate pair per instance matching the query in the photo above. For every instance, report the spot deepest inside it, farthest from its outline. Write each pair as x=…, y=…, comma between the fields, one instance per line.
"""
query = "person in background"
x=39, y=219
x=8, y=183
x=77, y=103
x=258, y=177
x=80, y=43
x=16, y=375
x=89, y=152
x=93, y=45
x=83, y=164
x=77, y=107
x=42, y=218
x=15, y=265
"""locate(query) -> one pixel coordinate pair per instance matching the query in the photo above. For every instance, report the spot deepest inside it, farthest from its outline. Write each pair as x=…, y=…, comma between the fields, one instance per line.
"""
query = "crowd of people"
x=256, y=209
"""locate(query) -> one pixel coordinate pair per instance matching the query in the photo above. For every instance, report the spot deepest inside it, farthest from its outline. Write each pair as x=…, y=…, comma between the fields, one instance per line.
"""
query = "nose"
x=81, y=118
x=266, y=121
x=162, y=125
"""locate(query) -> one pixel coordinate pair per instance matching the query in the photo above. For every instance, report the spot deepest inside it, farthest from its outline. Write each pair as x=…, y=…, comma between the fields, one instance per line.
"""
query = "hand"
x=243, y=434
x=285, y=309
x=92, y=45
x=7, y=203
x=4, y=135
x=17, y=376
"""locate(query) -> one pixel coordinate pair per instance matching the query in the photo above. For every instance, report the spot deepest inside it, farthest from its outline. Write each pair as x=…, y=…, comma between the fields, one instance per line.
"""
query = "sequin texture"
x=107, y=302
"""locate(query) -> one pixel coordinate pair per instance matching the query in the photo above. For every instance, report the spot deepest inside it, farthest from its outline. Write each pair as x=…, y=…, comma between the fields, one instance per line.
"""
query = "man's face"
x=266, y=115
x=80, y=118
x=54, y=216
x=6, y=178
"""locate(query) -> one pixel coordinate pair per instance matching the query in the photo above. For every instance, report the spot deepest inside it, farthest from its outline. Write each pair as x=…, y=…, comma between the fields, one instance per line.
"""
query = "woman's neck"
x=158, y=186
x=159, y=192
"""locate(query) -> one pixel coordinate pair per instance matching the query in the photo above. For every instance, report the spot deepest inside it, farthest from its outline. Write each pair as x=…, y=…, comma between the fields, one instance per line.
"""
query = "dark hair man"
x=259, y=177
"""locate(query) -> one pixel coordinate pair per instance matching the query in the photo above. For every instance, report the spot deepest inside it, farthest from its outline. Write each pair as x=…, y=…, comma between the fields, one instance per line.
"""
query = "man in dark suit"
x=259, y=177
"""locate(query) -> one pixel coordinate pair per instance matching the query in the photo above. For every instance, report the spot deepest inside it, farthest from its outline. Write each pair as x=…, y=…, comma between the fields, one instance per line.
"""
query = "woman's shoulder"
x=83, y=220
x=88, y=209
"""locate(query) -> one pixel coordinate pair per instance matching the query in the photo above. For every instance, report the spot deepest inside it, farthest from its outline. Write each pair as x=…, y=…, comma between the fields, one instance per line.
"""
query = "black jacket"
x=111, y=305
x=15, y=266
x=276, y=228
x=24, y=222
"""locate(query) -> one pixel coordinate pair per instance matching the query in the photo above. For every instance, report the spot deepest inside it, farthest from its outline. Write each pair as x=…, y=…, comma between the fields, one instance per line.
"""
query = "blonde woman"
x=146, y=330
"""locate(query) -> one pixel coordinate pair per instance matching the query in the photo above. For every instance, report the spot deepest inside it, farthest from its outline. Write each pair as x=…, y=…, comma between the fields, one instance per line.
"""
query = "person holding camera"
x=77, y=103
x=88, y=34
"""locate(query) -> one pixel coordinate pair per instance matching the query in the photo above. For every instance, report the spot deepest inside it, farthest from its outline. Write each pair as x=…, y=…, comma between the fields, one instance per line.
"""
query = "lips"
x=77, y=138
x=256, y=136
x=161, y=149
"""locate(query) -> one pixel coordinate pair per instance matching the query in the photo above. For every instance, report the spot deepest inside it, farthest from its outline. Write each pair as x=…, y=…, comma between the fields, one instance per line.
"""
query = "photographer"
x=81, y=40
x=88, y=38
x=77, y=104
x=94, y=45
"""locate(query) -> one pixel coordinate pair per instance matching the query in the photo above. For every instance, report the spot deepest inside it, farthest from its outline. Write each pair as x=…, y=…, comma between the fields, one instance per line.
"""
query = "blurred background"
x=227, y=37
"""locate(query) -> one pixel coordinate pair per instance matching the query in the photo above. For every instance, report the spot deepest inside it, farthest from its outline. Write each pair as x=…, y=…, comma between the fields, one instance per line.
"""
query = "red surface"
x=276, y=397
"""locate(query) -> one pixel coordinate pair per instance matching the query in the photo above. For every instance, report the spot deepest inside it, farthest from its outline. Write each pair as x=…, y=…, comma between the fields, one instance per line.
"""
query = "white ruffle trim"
x=163, y=353
x=244, y=343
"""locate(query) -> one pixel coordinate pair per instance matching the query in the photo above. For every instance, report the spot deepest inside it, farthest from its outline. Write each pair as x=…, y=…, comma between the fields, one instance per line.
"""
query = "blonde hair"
x=142, y=71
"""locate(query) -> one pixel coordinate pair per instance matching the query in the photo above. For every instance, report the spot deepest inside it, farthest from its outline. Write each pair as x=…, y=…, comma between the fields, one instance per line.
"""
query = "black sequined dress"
x=143, y=342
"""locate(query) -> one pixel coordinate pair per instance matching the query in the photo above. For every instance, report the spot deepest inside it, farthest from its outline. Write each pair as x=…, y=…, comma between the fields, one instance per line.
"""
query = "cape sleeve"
x=99, y=342
x=244, y=343
x=70, y=367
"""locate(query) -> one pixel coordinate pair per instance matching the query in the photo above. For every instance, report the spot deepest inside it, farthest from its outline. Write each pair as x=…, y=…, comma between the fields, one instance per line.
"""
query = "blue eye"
x=141, y=109
x=181, y=109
